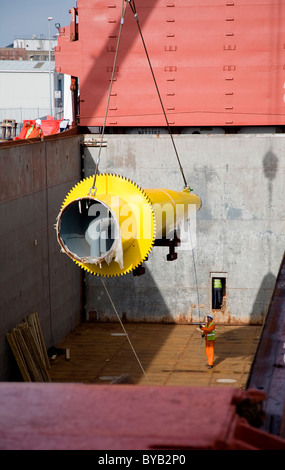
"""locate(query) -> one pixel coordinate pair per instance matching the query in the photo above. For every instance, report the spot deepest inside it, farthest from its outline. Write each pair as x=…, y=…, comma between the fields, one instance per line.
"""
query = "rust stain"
x=221, y=317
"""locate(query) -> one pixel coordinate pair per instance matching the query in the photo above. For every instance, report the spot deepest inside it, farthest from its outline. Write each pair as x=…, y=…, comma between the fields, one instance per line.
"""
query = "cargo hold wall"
x=239, y=231
x=34, y=275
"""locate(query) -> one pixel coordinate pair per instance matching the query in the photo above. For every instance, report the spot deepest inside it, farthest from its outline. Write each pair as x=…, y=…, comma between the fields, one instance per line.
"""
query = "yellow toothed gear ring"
x=110, y=233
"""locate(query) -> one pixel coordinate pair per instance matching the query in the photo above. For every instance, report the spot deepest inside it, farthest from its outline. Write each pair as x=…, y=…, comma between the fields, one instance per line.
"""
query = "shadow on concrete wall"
x=135, y=298
x=270, y=168
x=263, y=297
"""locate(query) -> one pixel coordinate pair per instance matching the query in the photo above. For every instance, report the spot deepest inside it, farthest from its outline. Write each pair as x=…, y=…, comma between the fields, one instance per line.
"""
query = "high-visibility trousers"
x=210, y=347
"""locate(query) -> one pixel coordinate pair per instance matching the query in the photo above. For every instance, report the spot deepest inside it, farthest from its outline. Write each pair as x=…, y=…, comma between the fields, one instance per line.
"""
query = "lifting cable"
x=124, y=7
x=133, y=8
x=122, y=325
x=195, y=273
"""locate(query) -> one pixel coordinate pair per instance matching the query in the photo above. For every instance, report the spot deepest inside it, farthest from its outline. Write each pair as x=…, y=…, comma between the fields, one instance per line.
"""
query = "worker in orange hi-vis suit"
x=35, y=130
x=209, y=332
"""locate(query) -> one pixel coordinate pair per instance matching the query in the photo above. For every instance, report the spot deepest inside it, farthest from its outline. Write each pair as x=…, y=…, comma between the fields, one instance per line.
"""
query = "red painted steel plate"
x=74, y=416
x=216, y=63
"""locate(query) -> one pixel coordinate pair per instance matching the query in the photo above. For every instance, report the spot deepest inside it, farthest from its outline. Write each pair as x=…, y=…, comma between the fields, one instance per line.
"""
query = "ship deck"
x=155, y=354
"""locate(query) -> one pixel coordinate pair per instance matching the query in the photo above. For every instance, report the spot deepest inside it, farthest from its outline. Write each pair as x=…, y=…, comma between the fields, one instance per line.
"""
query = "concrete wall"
x=240, y=228
x=34, y=274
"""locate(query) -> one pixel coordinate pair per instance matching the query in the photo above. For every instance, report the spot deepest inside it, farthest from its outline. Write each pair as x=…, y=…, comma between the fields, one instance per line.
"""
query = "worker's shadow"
x=230, y=344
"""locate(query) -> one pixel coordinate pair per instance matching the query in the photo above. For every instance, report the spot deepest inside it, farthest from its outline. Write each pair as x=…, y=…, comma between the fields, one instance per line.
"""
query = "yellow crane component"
x=112, y=232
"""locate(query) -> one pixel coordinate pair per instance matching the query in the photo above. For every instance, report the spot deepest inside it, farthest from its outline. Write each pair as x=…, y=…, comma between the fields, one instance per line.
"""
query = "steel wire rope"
x=122, y=325
x=195, y=272
x=133, y=8
x=197, y=287
x=124, y=7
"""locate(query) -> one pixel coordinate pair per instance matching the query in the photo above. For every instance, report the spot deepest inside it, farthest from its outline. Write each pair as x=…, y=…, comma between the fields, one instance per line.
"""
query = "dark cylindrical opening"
x=87, y=230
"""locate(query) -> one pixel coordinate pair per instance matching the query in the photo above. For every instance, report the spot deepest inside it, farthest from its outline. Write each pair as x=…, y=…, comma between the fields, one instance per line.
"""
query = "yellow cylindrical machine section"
x=112, y=232
x=171, y=208
x=125, y=216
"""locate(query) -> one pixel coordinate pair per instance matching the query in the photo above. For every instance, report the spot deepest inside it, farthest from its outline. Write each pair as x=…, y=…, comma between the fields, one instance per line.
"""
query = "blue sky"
x=27, y=17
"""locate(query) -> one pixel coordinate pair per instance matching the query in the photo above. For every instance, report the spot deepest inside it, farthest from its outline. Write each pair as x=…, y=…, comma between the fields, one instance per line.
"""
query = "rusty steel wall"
x=34, y=275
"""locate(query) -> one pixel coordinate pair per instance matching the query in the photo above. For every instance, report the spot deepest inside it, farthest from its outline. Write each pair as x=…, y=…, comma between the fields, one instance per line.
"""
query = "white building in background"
x=25, y=91
x=35, y=43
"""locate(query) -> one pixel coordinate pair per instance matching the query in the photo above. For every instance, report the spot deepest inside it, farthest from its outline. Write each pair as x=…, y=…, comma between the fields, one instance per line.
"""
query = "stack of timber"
x=27, y=344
